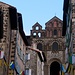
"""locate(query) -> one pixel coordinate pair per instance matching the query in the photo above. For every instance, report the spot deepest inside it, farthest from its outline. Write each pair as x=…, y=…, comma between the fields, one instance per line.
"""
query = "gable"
x=36, y=26
x=52, y=21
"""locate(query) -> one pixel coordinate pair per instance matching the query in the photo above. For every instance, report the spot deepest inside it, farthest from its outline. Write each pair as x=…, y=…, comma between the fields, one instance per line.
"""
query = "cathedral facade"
x=51, y=42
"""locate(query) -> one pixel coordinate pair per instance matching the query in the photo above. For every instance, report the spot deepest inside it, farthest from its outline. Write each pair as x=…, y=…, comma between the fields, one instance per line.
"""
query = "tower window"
x=55, y=46
x=55, y=32
x=37, y=28
x=39, y=46
x=34, y=34
x=39, y=34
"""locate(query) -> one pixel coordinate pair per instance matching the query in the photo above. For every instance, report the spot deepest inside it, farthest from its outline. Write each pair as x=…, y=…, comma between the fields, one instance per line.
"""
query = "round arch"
x=40, y=44
x=55, y=46
x=51, y=61
x=55, y=68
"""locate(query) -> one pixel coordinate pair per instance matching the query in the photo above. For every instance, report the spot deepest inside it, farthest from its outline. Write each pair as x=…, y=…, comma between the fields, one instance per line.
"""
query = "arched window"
x=55, y=32
x=34, y=34
x=55, y=46
x=39, y=46
x=39, y=34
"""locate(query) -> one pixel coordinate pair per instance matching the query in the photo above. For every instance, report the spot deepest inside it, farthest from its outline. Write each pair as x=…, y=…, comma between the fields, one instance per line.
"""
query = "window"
x=39, y=34
x=55, y=46
x=20, y=41
x=39, y=46
x=18, y=36
x=18, y=50
x=27, y=57
x=37, y=28
x=34, y=34
x=73, y=23
x=55, y=32
x=21, y=55
x=73, y=11
x=73, y=45
x=28, y=72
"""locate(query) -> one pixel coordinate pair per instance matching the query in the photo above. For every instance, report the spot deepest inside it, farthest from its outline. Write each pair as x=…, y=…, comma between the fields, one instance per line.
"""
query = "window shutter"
x=29, y=71
x=21, y=55
x=28, y=56
x=18, y=50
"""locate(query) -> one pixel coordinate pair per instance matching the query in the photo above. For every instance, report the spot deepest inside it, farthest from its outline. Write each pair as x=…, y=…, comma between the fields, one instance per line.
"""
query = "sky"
x=33, y=11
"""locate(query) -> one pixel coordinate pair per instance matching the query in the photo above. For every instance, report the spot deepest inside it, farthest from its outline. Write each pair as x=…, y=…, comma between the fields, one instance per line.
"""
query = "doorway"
x=55, y=68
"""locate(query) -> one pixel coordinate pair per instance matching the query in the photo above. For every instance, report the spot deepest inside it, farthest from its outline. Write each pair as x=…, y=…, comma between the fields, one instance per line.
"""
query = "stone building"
x=20, y=49
x=51, y=42
x=13, y=41
x=7, y=29
x=69, y=33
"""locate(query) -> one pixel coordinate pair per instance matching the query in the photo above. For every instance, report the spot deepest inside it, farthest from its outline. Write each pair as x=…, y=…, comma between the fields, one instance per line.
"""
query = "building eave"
x=65, y=11
x=65, y=6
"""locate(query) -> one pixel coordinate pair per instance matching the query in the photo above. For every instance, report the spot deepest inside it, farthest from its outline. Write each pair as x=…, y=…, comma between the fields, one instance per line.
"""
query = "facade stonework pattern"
x=57, y=55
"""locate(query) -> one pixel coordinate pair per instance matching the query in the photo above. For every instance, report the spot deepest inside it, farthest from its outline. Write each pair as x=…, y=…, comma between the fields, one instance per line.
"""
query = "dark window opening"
x=55, y=32
x=55, y=46
x=39, y=46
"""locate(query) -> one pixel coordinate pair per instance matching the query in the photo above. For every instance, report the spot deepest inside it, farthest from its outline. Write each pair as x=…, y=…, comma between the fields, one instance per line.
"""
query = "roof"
x=36, y=24
x=24, y=38
x=64, y=27
x=20, y=25
x=29, y=40
x=65, y=6
x=6, y=4
x=54, y=18
x=65, y=11
x=13, y=17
